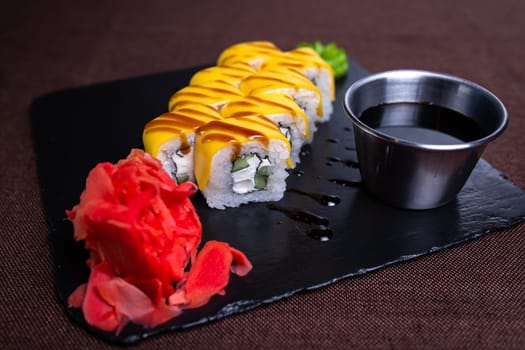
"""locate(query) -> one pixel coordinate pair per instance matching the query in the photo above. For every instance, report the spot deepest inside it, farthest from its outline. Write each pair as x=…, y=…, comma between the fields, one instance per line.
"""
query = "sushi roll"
x=213, y=93
x=282, y=110
x=238, y=126
x=251, y=52
x=171, y=137
x=241, y=160
x=289, y=82
x=310, y=64
x=231, y=73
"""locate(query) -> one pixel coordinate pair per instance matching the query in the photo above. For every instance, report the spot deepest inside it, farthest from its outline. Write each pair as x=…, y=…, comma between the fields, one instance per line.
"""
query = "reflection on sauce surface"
x=422, y=123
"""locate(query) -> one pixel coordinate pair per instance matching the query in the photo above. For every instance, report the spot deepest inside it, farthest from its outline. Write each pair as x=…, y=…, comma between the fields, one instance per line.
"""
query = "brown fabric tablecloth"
x=470, y=296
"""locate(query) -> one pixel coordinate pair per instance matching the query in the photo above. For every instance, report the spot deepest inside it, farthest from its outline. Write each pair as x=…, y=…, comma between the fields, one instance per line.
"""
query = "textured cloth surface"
x=470, y=296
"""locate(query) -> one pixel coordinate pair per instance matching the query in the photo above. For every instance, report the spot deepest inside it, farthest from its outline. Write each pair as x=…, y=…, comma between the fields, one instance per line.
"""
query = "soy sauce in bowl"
x=423, y=123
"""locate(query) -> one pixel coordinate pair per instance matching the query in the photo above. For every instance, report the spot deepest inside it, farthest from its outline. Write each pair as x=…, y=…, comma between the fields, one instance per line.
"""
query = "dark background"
x=470, y=296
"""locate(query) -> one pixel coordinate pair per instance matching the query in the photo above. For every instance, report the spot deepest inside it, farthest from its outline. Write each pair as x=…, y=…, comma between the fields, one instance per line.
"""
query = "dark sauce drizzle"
x=348, y=162
x=328, y=200
x=300, y=215
x=319, y=225
x=321, y=233
x=306, y=150
x=346, y=183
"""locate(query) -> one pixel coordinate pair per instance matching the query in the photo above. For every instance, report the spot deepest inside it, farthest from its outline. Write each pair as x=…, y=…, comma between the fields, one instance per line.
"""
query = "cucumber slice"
x=182, y=178
x=242, y=162
x=263, y=171
x=250, y=173
x=260, y=181
x=261, y=175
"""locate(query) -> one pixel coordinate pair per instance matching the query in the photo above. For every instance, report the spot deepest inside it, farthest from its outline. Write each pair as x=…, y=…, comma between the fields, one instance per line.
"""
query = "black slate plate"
x=298, y=244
